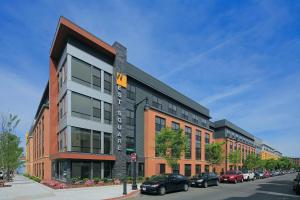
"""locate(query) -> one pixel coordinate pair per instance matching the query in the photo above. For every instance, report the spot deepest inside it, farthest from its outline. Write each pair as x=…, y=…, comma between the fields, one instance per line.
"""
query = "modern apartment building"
x=92, y=95
x=235, y=139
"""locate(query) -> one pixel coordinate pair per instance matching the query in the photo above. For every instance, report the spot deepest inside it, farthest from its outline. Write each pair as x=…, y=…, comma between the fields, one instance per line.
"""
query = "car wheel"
x=205, y=184
x=162, y=191
x=248, y=179
x=186, y=187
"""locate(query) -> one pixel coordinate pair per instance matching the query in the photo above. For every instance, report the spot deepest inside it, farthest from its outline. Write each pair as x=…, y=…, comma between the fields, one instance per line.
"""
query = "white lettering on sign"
x=119, y=119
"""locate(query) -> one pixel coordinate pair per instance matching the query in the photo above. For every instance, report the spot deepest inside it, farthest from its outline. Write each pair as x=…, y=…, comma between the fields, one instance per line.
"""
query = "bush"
x=75, y=179
x=85, y=179
x=105, y=180
x=89, y=182
x=140, y=179
x=96, y=180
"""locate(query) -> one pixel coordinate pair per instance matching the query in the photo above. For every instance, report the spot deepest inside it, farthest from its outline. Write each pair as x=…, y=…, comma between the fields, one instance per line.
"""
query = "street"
x=273, y=188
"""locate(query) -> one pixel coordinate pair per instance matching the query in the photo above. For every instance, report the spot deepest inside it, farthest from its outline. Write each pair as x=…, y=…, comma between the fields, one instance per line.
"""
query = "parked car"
x=248, y=175
x=205, y=180
x=296, y=185
x=259, y=174
x=232, y=177
x=267, y=174
x=162, y=184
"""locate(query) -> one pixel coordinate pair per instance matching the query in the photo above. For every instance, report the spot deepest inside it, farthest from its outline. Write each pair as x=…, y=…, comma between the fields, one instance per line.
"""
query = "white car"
x=248, y=175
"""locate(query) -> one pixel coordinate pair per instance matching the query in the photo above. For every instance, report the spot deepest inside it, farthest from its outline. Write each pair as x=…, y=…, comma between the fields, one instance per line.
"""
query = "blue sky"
x=241, y=59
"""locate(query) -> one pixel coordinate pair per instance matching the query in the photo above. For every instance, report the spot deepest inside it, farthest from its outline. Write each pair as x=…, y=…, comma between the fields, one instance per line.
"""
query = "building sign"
x=121, y=82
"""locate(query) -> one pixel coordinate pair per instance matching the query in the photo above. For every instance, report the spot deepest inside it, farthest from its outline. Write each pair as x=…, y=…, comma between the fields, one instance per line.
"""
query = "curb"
x=129, y=195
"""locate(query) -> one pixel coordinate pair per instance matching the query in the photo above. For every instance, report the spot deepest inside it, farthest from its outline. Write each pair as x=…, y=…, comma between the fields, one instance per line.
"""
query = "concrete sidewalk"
x=25, y=189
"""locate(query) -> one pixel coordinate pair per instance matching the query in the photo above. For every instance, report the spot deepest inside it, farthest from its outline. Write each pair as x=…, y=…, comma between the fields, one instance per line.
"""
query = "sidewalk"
x=25, y=189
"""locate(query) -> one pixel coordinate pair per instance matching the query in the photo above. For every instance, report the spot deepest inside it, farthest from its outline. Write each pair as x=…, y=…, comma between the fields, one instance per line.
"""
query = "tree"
x=170, y=145
x=214, y=153
x=10, y=152
x=252, y=161
x=270, y=164
x=235, y=158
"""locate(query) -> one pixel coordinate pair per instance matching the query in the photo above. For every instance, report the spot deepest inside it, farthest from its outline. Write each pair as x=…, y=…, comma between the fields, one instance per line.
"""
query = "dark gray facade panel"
x=161, y=87
x=226, y=123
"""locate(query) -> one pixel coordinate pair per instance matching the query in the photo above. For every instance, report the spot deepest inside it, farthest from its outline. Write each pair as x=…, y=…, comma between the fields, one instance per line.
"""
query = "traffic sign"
x=133, y=157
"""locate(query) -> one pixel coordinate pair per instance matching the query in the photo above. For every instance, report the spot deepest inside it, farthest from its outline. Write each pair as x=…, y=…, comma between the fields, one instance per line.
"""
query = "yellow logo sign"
x=122, y=80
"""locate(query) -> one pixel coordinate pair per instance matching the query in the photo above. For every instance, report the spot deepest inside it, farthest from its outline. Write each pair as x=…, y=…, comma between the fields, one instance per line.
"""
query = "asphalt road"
x=273, y=188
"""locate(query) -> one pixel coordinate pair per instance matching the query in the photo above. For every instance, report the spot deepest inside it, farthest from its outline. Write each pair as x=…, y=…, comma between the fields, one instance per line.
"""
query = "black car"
x=296, y=185
x=162, y=184
x=205, y=180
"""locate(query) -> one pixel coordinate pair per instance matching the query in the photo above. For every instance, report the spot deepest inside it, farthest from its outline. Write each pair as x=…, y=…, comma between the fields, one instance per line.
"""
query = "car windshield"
x=158, y=178
x=245, y=171
x=202, y=175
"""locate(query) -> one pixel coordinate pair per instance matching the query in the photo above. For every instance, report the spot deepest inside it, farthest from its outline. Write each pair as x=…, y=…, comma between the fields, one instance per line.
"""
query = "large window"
x=107, y=83
x=188, y=134
x=107, y=143
x=207, y=138
x=175, y=126
x=198, y=145
x=187, y=170
x=62, y=141
x=107, y=113
x=141, y=169
x=81, y=72
x=156, y=102
x=184, y=114
x=172, y=108
x=96, y=78
x=195, y=118
x=107, y=169
x=198, y=169
x=97, y=142
x=130, y=91
x=97, y=169
x=81, y=140
x=162, y=168
x=130, y=118
x=96, y=110
x=81, y=169
x=159, y=124
x=81, y=106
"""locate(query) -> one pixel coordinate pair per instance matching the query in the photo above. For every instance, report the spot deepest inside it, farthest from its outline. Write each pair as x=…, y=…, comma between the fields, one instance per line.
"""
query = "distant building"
x=269, y=152
x=296, y=161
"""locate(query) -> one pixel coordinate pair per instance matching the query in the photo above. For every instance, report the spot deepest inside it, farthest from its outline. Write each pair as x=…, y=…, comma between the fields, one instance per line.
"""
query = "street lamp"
x=134, y=185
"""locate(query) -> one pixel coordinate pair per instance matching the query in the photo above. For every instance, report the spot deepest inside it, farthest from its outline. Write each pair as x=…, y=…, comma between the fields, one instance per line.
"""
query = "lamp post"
x=134, y=185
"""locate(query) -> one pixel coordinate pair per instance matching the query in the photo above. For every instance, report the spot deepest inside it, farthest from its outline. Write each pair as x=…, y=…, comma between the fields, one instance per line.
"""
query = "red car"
x=267, y=174
x=232, y=177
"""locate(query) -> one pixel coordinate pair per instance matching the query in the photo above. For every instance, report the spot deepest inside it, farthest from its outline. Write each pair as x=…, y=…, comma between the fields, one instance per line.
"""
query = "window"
x=207, y=138
x=107, y=113
x=204, y=122
x=107, y=169
x=184, y=114
x=195, y=118
x=162, y=168
x=81, y=140
x=187, y=170
x=96, y=78
x=234, y=146
x=62, y=76
x=128, y=168
x=188, y=134
x=159, y=124
x=206, y=168
x=62, y=107
x=198, y=169
x=96, y=110
x=130, y=146
x=172, y=108
x=62, y=143
x=130, y=91
x=107, y=83
x=130, y=118
x=81, y=169
x=96, y=169
x=81, y=72
x=156, y=102
x=107, y=143
x=198, y=145
x=231, y=146
x=97, y=142
x=81, y=105
x=175, y=126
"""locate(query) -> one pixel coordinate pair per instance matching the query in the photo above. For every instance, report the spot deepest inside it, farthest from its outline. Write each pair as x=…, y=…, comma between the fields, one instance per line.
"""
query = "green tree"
x=252, y=161
x=214, y=153
x=235, y=158
x=10, y=151
x=270, y=164
x=170, y=145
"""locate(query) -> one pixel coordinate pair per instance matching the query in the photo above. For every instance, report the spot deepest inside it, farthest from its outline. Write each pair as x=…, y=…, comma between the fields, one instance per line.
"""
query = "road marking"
x=277, y=193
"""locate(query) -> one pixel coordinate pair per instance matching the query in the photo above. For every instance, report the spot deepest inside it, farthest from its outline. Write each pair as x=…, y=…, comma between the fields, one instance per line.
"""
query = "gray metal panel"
x=226, y=123
x=156, y=84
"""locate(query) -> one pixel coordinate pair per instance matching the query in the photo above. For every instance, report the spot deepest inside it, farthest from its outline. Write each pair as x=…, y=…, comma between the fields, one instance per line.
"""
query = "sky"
x=240, y=59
